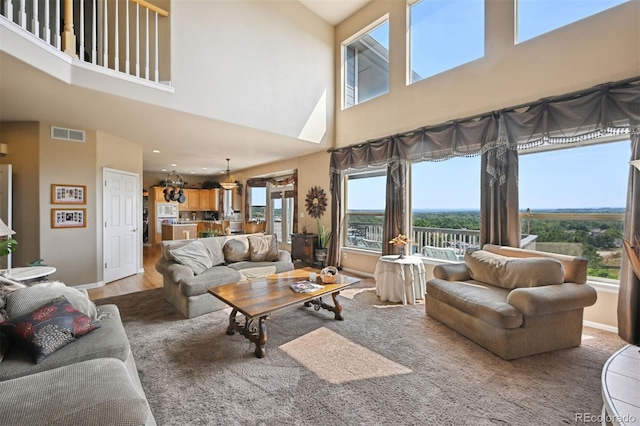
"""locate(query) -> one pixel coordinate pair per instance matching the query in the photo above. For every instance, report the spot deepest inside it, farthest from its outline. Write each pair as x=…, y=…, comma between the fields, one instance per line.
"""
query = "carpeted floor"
x=386, y=364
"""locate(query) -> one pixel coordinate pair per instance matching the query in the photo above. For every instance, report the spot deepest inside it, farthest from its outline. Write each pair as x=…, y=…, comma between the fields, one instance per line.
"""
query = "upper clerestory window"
x=366, y=65
x=537, y=17
x=443, y=35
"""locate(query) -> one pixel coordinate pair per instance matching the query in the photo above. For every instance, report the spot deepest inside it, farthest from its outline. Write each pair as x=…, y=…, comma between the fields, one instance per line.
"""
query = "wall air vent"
x=67, y=134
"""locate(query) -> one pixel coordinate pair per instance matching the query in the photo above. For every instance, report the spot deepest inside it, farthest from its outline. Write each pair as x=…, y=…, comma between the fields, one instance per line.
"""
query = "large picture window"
x=537, y=17
x=445, y=199
x=365, y=210
x=366, y=66
x=444, y=35
x=572, y=201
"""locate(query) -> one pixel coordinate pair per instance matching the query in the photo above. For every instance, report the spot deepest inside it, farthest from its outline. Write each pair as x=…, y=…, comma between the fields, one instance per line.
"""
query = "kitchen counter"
x=179, y=231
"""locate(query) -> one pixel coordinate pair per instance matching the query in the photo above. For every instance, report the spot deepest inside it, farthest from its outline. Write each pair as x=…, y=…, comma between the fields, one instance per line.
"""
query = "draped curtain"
x=335, y=188
x=629, y=292
x=395, y=214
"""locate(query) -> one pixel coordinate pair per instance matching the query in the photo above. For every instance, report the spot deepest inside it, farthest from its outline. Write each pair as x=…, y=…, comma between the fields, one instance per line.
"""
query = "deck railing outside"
x=121, y=35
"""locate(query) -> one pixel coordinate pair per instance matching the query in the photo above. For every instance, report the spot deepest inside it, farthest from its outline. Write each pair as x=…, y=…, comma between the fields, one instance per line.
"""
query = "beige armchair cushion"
x=510, y=272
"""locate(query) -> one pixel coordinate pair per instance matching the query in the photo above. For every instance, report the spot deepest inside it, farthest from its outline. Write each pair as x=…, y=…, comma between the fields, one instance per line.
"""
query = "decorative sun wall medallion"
x=316, y=202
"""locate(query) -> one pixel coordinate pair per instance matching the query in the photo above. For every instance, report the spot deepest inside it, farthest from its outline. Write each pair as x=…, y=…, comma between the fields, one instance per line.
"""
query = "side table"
x=400, y=280
x=28, y=273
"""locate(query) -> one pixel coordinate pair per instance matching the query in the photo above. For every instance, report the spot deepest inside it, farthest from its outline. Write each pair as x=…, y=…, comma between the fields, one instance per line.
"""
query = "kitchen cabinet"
x=158, y=194
x=236, y=201
x=302, y=247
x=205, y=199
x=192, y=200
x=214, y=200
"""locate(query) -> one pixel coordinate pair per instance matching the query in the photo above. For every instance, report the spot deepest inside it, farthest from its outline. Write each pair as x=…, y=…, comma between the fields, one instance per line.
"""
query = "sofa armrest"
x=452, y=272
x=549, y=299
x=173, y=270
x=285, y=256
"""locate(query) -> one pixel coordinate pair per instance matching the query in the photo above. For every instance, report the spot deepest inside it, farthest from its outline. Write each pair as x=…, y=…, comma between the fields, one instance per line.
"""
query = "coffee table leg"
x=231, y=329
x=337, y=306
x=261, y=341
x=319, y=303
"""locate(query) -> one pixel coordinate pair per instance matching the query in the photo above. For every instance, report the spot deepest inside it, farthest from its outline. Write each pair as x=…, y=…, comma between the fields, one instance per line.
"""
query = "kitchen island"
x=179, y=231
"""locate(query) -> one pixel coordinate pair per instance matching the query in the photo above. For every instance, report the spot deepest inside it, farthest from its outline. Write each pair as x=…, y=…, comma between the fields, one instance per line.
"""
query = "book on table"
x=305, y=287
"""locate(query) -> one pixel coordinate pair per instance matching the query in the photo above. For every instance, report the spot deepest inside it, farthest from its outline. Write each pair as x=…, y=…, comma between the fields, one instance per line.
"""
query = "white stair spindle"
x=81, y=52
x=127, y=66
x=58, y=37
x=8, y=10
x=146, y=60
x=157, y=74
x=94, y=34
x=137, y=40
x=47, y=30
x=22, y=15
x=116, y=47
x=105, y=42
x=35, y=24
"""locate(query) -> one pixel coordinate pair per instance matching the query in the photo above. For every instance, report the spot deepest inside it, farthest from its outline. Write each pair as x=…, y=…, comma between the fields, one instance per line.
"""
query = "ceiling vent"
x=67, y=134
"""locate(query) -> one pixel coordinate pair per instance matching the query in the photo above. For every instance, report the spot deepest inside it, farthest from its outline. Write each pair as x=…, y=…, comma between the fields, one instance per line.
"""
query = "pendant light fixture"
x=228, y=183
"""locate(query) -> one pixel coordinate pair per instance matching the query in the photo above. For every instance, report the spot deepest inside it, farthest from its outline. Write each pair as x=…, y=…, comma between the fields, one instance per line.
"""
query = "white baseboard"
x=353, y=271
x=601, y=326
x=90, y=285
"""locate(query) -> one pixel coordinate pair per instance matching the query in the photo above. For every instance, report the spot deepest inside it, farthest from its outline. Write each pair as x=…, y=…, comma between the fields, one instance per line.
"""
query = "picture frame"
x=68, y=194
x=68, y=218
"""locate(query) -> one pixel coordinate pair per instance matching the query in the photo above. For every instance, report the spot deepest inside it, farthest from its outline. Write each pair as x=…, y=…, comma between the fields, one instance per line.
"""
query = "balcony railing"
x=121, y=35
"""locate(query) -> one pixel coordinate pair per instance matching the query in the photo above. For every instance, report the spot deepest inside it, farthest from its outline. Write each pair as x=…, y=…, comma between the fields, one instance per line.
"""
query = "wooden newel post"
x=68, y=37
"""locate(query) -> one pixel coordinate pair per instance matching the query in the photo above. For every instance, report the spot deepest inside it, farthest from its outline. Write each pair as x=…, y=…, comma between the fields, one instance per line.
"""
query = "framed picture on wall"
x=68, y=194
x=68, y=218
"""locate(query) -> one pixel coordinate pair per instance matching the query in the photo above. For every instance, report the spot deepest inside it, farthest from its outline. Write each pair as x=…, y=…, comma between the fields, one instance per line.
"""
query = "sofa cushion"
x=48, y=328
x=511, y=272
x=281, y=266
x=95, y=392
x=27, y=299
x=263, y=248
x=237, y=249
x=109, y=340
x=194, y=255
x=478, y=299
x=215, y=250
x=212, y=277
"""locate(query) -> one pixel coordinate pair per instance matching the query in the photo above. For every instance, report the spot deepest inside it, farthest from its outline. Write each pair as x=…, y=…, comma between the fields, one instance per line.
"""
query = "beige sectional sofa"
x=218, y=261
x=513, y=302
x=90, y=381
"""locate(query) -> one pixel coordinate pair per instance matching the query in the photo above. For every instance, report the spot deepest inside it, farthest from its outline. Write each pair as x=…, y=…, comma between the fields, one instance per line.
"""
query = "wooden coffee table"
x=262, y=297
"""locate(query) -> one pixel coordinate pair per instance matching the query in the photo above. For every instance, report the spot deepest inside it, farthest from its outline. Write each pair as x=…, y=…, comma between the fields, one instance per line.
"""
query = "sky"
x=584, y=177
x=595, y=176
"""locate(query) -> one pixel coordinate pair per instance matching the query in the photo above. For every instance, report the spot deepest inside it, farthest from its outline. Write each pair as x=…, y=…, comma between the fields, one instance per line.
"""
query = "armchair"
x=511, y=301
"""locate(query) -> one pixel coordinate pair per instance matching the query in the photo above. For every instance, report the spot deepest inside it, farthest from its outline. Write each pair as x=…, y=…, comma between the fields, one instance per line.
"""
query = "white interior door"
x=121, y=214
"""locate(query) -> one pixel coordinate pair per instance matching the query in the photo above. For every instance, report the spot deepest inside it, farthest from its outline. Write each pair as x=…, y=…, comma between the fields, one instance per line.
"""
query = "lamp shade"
x=5, y=231
x=635, y=163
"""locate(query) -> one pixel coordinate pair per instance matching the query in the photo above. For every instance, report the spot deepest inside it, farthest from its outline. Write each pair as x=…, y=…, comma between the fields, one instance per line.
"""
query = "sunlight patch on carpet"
x=337, y=360
x=350, y=293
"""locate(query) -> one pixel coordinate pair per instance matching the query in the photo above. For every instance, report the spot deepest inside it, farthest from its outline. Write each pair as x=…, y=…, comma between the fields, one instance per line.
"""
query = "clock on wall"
x=316, y=202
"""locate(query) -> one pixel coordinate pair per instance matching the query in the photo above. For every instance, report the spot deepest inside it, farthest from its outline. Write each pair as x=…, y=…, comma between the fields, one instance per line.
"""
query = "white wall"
x=262, y=64
x=595, y=50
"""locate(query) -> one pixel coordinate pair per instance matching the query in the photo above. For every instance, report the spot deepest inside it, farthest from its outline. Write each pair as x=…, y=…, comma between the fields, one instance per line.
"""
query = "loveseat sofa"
x=90, y=381
x=190, y=267
x=513, y=302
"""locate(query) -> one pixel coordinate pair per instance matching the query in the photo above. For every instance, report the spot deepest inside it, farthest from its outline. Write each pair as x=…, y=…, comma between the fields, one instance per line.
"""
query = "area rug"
x=384, y=364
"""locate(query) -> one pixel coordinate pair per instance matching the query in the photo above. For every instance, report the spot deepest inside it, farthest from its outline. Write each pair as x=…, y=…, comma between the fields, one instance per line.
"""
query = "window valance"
x=603, y=110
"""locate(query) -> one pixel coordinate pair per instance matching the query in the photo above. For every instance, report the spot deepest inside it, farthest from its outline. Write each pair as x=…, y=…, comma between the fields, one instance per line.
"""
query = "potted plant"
x=324, y=236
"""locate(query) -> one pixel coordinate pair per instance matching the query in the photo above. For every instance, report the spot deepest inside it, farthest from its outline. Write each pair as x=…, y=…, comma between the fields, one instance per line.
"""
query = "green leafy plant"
x=324, y=235
x=7, y=246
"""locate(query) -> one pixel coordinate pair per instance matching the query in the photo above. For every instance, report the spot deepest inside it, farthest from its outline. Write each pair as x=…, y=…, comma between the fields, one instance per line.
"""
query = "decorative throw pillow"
x=212, y=244
x=264, y=248
x=193, y=255
x=27, y=299
x=236, y=250
x=48, y=328
x=513, y=272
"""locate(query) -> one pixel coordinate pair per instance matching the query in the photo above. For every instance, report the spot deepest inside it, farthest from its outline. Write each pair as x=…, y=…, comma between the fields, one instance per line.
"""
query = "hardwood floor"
x=148, y=280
